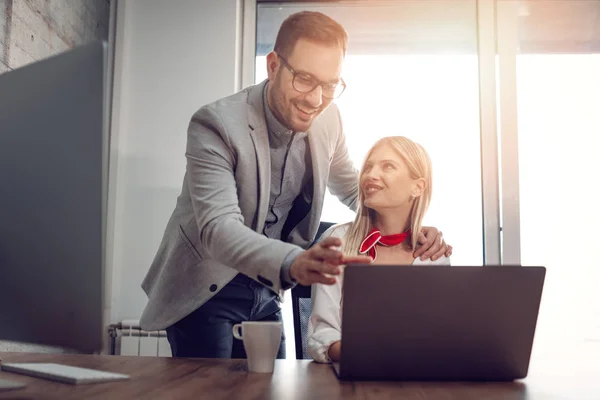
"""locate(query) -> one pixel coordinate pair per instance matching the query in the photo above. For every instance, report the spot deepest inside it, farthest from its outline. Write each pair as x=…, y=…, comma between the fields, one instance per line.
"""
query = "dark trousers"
x=207, y=332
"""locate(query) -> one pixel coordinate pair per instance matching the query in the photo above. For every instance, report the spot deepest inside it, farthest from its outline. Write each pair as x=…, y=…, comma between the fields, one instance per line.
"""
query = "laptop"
x=436, y=323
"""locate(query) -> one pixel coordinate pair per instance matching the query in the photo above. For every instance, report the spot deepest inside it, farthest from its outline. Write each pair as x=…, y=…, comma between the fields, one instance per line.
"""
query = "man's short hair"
x=310, y=25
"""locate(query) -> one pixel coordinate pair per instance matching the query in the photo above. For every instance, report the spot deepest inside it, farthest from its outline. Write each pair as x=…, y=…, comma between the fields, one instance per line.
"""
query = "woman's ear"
x=419, y=187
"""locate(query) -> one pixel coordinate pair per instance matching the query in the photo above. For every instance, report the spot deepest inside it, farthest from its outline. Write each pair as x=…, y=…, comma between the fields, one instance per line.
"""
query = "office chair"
x=301, y=305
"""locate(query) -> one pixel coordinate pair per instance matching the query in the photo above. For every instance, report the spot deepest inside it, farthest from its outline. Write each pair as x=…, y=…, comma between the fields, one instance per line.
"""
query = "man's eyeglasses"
x=306, y=83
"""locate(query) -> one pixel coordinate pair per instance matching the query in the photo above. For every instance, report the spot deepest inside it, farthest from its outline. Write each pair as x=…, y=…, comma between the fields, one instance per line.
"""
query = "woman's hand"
x=334, y=351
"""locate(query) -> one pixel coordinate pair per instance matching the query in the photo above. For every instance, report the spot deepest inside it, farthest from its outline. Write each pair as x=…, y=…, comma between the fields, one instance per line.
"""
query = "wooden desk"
x=167, y=378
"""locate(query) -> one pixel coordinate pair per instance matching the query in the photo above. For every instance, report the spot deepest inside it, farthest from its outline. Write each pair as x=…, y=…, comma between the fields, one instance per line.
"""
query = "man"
x=258, y=164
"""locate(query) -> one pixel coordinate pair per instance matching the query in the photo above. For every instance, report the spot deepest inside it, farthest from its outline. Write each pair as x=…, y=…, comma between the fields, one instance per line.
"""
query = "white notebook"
x=62, y=373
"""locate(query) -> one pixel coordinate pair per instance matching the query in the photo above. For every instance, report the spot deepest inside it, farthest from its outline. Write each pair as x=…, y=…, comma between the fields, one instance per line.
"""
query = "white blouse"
x=325, y=323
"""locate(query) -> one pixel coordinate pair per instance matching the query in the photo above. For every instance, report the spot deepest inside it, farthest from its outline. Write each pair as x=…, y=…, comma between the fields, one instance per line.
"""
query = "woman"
x=395, y=191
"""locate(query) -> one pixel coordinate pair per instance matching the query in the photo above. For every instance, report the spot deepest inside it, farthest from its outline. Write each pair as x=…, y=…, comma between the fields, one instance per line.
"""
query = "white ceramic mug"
x=261, y=342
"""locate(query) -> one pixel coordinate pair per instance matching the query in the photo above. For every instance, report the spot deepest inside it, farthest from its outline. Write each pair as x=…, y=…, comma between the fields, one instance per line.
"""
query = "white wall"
x=172, y=57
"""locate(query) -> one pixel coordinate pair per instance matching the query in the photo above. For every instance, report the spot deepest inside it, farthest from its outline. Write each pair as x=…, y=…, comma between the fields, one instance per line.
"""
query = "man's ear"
x=272, y=65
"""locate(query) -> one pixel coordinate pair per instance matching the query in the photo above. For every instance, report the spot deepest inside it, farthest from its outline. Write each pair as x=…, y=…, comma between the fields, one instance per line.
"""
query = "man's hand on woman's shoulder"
x=432, y=244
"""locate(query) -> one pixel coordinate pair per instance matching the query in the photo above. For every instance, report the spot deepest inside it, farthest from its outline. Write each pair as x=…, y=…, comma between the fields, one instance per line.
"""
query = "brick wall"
x=32, y=30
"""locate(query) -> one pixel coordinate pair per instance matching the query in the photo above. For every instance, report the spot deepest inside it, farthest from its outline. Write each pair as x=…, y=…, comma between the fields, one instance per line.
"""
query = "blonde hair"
x=419, y=166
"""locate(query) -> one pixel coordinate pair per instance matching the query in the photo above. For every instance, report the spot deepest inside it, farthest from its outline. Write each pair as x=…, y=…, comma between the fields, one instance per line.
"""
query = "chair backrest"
x=301, y=304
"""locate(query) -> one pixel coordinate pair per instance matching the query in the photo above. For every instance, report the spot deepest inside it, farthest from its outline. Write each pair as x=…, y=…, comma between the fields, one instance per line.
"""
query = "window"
x=558, y=113
x=411, y=70
x=504, y=95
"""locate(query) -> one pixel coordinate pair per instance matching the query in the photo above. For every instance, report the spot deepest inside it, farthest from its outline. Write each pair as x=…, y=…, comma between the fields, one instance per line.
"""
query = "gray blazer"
x=215, y=231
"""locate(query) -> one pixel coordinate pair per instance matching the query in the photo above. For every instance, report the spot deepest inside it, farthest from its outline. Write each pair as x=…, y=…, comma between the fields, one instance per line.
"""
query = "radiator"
x=128, y=339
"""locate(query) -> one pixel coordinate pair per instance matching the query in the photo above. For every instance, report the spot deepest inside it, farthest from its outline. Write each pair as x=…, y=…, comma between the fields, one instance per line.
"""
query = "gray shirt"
x=291, y=171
